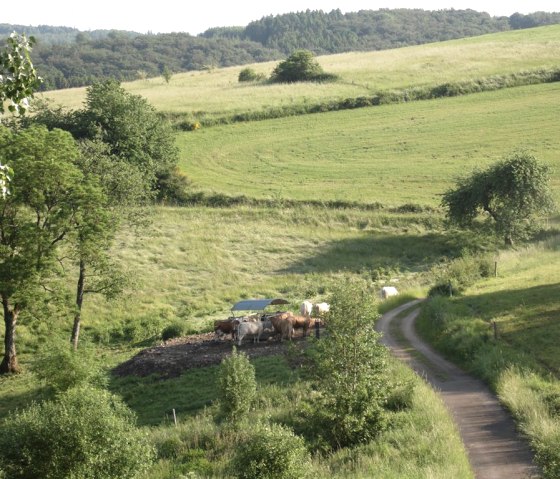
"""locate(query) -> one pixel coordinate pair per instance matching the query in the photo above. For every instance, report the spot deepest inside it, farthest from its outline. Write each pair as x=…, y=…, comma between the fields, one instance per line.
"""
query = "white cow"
x=250, y=328
x=306, y=308
x=321, y=308
x=388, y=291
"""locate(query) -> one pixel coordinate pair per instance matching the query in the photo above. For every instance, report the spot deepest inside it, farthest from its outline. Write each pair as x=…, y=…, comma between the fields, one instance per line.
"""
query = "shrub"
x=248, y=74
x=174, y=330
x=62, y=368
x=453, y=277
x=353, y=383
x=237, y=386
x=86, y=433
x=299, y=66
x=273, y=452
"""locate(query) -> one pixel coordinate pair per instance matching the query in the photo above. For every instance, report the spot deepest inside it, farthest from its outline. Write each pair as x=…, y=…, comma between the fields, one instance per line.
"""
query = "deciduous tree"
x=299, y=66
x=353, y=384
x=513, y=194
x=48, y=191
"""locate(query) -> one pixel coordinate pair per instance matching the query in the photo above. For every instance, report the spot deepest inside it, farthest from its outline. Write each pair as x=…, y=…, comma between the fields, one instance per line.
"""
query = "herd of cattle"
x=281, y=324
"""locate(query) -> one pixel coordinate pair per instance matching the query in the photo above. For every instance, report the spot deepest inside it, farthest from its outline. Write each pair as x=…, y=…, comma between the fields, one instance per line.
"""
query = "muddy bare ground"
x=175, y=356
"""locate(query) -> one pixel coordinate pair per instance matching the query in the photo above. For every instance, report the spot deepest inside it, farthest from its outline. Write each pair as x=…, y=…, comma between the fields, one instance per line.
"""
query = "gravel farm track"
x=494, y=448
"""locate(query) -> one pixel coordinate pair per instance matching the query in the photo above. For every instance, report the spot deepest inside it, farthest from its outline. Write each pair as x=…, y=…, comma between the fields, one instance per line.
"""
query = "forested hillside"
x=50, y=35
x=66, y=57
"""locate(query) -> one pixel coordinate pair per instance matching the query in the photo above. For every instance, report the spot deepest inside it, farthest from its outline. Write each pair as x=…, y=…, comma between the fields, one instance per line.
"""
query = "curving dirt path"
x=494, y=448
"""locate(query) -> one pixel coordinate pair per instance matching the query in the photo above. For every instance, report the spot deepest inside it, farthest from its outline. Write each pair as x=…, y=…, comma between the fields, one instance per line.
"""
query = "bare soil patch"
x=175, y=356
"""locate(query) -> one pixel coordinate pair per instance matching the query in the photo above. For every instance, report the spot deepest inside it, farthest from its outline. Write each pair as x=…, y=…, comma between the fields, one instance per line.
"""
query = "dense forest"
x=66, y=57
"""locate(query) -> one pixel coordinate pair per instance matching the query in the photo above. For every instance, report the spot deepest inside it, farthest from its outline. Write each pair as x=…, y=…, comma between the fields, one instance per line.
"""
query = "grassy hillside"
x=192, y=264
x=216, y=93
x=393, y=154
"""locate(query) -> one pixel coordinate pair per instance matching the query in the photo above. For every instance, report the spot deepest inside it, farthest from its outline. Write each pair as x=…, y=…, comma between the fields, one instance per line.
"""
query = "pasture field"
x=392, y=154
x=192, y=264
x=217, y=93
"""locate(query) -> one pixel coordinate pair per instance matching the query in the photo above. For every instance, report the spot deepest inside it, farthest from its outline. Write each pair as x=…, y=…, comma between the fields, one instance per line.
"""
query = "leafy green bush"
x=273, y=452
x=299, y=66
x=237, y=386
x=86, y=433
x=174, y=330
x=248, y=74
x=453, y=277
x=61, y=368
x=353, y=383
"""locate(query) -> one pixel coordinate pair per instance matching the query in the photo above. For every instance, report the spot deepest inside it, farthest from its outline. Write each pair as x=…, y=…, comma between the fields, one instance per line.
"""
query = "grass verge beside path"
x=522, y=364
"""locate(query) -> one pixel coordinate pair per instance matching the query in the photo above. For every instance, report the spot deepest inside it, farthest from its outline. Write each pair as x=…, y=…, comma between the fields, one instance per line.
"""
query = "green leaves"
x=299, y=66
x=351, y=363
x=513, y=193
x=18, y=78
x=237, y=386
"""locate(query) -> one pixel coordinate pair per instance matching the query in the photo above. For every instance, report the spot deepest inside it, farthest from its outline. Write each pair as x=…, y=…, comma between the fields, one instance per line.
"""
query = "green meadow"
x=190, y=264
x=392, y=154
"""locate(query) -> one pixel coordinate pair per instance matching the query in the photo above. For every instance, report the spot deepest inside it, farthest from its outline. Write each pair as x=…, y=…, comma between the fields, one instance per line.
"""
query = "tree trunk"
x=79, y=301
x=9, y=363
x=508, y=240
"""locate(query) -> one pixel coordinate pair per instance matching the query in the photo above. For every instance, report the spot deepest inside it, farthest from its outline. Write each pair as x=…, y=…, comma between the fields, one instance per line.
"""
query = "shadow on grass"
x=530, y=319
x=10, y=401
x=410, y=252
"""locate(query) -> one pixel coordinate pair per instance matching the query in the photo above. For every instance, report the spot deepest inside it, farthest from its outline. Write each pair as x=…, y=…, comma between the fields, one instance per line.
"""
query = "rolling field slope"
x=217, y=93
x=393, y=154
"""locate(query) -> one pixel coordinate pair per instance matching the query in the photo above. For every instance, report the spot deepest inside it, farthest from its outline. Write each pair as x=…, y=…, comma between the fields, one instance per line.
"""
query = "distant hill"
x=66, y=57
x=60, y=35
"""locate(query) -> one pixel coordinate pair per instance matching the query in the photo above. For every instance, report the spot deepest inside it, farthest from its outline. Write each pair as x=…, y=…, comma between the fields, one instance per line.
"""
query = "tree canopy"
x=299, y=66
x=48, y=195
x=512, y=193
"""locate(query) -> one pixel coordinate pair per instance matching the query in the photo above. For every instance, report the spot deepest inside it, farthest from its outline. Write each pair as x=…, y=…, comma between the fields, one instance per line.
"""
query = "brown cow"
x=282, y=323
x=303, y=322
x=225, y=326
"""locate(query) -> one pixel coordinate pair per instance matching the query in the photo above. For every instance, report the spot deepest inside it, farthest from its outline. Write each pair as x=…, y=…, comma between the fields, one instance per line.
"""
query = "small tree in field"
x=513, y=193
x=351, y=364
x=166, y=73
x=237, y=386
x=299, y=66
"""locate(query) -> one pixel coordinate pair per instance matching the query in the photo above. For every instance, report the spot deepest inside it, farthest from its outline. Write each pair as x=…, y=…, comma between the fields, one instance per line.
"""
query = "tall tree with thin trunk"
x=123, y=190
x=48, y=191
